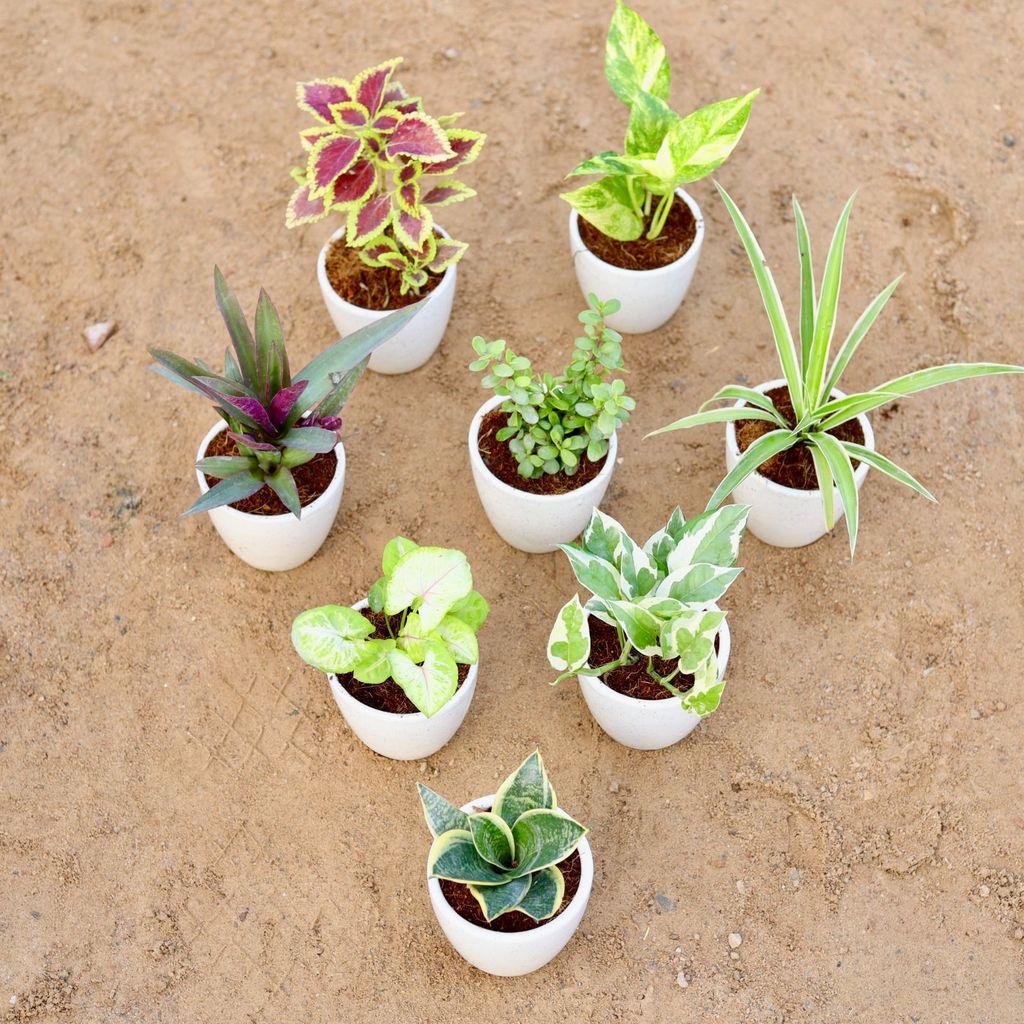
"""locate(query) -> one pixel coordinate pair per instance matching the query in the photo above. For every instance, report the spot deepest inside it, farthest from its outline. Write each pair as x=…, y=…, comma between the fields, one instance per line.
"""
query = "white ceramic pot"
x=276, y=543
x=415, y=343
x=404, y=737
x=535, y=522
x=510, y=954
x=785, y=516
x=646, y=724
x=649, y=297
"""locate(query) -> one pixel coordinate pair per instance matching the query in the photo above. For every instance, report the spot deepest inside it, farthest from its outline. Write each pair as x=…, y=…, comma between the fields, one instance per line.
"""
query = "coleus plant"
x=554, y=422
x=376, y=156
x=433, y=616
x=661, y=599
x=811, y=380
x=277, y=421
x=662, y=150
x=507, y=855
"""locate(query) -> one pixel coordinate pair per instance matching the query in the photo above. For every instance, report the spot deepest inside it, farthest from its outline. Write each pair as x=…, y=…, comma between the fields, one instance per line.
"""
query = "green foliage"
x=430, y=592
x=662, y=150
x=661, y=599
x=811, y=380
x=507, y=855
x=555, y=422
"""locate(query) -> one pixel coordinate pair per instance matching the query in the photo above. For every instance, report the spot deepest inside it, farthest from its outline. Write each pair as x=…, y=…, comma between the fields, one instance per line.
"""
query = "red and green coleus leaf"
x=328, y=160
x=304, y=208
x=369, y=220
x=448, y=253
x=372, y=85
x=311, y=136
x=316, y=97
x=407, y=198
x=413, y=230
x=419, y=136
x=465, y=146
x=384, y=252
x=349, y=116
x=445, y=193
x=354, y=185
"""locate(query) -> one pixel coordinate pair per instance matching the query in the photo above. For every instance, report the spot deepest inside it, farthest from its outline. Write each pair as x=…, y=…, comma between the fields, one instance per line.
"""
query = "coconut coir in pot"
x=376, y=288
x=644, y=253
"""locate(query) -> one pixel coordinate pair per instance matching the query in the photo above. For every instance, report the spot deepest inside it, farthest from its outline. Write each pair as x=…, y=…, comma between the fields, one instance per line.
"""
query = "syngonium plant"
x=811, y=380
x=660, y=598
x=662, y=150
x=507, y=855
x=433, y=615
x=555, y=422
x=376, y=156
x=277, y=420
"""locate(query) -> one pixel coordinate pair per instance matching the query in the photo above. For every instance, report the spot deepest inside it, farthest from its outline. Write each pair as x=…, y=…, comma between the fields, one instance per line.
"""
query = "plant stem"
x=632, y=197
x=660, y=215
x=648, y=198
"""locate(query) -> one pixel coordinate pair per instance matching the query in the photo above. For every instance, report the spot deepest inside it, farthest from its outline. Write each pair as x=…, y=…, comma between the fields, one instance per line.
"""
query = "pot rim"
x=721, y=656
x=325, y=283
x=859, y=473
x=462, y=694
x=339, y=472
x=579, y=247
x=531, y=934
x=477, y=460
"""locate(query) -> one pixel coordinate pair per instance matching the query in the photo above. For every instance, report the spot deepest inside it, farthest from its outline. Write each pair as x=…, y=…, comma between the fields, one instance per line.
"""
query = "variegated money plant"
x=277, y=421
x=811, y=381
x=430, y=591
x=660, y=598
x=555, y=422
x=376, y=156
x=662, y=150
x=508, y=855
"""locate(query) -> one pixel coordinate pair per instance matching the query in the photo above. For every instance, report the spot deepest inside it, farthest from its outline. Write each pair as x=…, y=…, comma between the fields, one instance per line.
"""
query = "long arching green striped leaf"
x=772, y=303
x=698, y=419
x=887, y=466
x=825, y=484
x=842, y=471
x=738, y=392
x=856, y=336
x=825, y=316
x=921, y=380
x=831, y=414
x=808, y=299
x=758, y=453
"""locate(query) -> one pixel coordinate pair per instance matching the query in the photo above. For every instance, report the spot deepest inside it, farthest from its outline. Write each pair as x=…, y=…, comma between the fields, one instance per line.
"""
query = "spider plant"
x=811, y=379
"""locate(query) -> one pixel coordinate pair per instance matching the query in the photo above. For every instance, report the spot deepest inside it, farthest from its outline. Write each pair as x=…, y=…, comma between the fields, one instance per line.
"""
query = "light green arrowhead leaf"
x=393, y=551
x=473, y=609
x=412, y=638
x=330, y=637
x=374, y=665
x=569, y=642
x=460, y=639
x=432, y=578
x=634, y=57
x=492, y=838
x=441, y=815
x=544, y=837
x=431, y=685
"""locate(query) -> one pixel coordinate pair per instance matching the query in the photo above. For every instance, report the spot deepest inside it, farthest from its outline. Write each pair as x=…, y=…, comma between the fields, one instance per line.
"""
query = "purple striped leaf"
x=317, y=96
x=419, y=136
x=330, y=158
x=251, y=409
x=284, y=401
x=251, y=442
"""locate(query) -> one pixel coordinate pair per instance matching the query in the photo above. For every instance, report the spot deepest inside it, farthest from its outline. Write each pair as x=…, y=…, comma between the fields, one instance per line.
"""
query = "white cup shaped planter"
x=276, y=543
x=649, y=297
x=787, y=517
x=535, y=522
x=511, y=954
x=416, y=342
x=646, y=724
x=404, y=737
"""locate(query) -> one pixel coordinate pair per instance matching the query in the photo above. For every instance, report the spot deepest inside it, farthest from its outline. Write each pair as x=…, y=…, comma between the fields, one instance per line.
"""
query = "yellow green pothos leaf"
x=635, y=59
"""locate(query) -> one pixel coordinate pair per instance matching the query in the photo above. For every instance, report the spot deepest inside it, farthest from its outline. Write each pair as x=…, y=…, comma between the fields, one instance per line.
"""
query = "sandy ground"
x=188, y=830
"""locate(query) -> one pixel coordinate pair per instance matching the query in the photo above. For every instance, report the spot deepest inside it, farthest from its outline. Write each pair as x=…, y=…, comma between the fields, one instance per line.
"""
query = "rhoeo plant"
x=661, y=599
x=433, y=615
x=377, y=157
x=662, y=150
x=811, y=380
x=553, y=422
x=508, y=856
x=276, y=422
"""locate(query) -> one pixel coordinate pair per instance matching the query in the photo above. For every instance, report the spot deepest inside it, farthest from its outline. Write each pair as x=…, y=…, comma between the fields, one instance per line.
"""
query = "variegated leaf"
x=328, y=159
x=432, y=578
x=606, y=205
x=712, y=537
x=304, y=208
x=697, y=584
x=420, y=137
x=465, y=146
x=371, y=85
x=526, y=789
x=600, y=577
x=369, y=220
x=472, y=609
x=547, y=890
x=602, y=536
x=496, y=900
x=330, y=637
x=492, y=838
x=544, y=837
x=441, y=815
x=635, y=58
x=393, y=551
x=706, y=693
x=460, y=640
x=317, y=96
x=569, y=642
x=453, y=856
x=641, y=627
x=431, y=685
x=354, y=185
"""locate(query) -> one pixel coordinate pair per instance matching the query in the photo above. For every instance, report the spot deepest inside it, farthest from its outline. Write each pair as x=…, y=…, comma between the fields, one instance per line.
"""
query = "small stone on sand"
x=96, y=334
x=734, y=940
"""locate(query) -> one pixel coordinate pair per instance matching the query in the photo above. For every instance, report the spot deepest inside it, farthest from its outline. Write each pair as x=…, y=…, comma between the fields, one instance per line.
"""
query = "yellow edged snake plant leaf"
x=526, y=788
x=441, y=815
x=811, y=381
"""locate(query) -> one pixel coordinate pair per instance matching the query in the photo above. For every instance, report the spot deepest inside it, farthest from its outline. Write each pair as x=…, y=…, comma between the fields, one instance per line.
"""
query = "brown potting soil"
x=386, y=696
x=464, y=903
x=377, y=288
x=644, y=253
x=502, y=463
x=631, y=680
x=795, y=466
x=311, y=480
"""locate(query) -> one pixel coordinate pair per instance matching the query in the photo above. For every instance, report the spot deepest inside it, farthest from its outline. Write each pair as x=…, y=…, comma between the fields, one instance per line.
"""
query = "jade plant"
x=662, y=150
x=432, y=615
x=375, y=155
x=660, y=598
x=508, y=856
x=811, y=380
x=277, y=420
x=555, y=422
